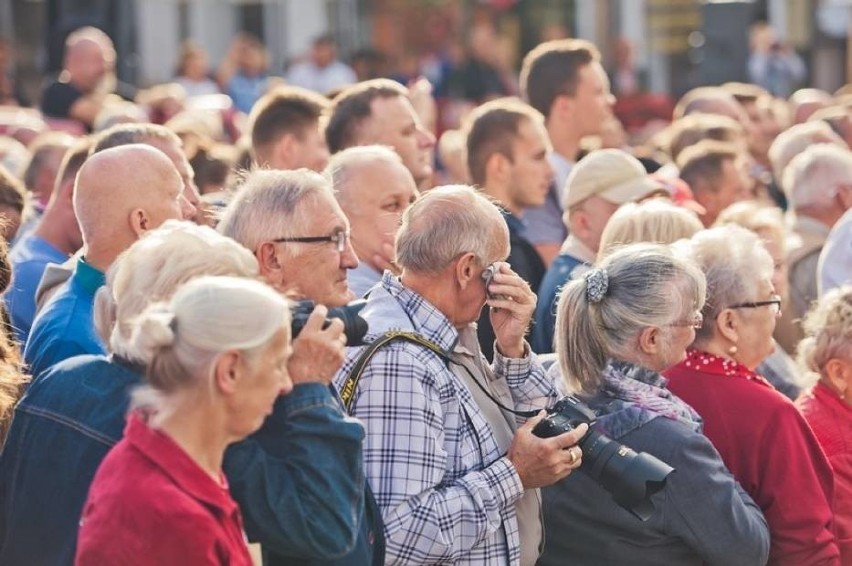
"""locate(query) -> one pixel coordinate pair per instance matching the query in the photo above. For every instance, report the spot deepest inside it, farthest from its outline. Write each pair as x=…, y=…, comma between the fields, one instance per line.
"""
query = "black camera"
x=632, y=478
x=354, y=327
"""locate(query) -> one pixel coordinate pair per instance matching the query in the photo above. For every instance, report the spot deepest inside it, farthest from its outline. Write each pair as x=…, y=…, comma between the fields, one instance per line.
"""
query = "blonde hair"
x=828, y=330
x=180, y=341
x=656, y=221
x=153, y=267
x=734, y=261
x=756, y=216
x=647, y=285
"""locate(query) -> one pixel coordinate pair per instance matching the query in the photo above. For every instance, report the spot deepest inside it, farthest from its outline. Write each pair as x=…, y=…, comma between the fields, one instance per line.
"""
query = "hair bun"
x=597, y=284
x=152, y=331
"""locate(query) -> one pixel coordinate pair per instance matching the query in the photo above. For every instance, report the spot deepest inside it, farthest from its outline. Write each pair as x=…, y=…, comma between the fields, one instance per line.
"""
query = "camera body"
x=354, y=327
x=631, y=477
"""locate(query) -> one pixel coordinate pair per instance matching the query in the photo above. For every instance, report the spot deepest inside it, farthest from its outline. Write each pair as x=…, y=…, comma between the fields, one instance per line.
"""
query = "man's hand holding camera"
x=543, y=461
x=512, y=305
x=317, y=352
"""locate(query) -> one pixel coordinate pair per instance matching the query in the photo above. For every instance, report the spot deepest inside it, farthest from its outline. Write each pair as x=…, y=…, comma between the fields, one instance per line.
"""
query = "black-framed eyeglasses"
x=696, y=321
x=774, y=301
x=338, y=238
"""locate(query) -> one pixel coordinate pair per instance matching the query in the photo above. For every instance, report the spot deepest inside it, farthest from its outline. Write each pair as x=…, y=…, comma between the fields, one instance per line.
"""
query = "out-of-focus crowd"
x=183, y=370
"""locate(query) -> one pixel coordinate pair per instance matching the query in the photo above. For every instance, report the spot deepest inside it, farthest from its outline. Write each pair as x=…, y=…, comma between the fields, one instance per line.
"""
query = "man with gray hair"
x=374, y=188
x=818, y=183
x=454, y=474
x=292, y=224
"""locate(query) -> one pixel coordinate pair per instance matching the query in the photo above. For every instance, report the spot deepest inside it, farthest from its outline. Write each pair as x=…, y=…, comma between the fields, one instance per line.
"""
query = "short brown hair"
x=703, y=161
x=352, y=106
x=40, y=150
x=73, y=160
x=493, y=127
x=689, y=130
x=126, y=134
x=284, y=110
x=551, y=70
x=11, y=190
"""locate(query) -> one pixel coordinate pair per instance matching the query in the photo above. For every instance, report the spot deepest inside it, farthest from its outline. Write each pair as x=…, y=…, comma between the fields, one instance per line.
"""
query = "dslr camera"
x=354, y=327
x=632, y=478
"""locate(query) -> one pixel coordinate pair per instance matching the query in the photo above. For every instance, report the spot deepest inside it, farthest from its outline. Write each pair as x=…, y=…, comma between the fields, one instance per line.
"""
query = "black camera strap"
x=347, y=390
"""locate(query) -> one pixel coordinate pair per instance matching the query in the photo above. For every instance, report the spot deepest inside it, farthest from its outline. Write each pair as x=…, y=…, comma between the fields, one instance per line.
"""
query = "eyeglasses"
x=339, y=238
x=774, y=301
x=696, y=322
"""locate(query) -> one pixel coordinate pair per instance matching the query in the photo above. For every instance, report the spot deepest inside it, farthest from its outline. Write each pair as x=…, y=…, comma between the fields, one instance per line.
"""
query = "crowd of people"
x=182, y=380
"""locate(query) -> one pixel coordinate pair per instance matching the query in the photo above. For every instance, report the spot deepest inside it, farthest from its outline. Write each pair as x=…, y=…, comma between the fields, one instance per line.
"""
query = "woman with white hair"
x=160, y=496
x=760, y=435
x=628, y=319
x=827, y=350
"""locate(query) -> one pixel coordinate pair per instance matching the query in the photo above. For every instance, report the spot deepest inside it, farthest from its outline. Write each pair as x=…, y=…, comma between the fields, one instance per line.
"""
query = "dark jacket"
x=307, y=503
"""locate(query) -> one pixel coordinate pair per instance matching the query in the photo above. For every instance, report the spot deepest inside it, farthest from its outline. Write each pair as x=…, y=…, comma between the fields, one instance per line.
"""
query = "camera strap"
x=347, y=390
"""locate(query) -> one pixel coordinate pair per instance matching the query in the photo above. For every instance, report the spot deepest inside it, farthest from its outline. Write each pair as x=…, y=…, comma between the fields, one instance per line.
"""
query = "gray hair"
x=126, y=134
x=268, y=205
x=734, y=262
x=644, y=285
x=180, y=341
x=447, y=222
x=796, y=139
x=811, y=178
x=153, y=267
x=828, y=330
x=342, y=164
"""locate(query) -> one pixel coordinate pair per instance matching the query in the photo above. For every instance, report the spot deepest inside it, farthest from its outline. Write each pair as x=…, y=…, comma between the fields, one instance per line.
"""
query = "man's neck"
x=501, y=195
x=565, y=140
x=52, y=230
x=435, y=288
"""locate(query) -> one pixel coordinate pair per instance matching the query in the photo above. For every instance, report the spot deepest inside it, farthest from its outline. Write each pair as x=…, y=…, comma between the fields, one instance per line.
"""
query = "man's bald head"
x=115, y=205
x=89, y=56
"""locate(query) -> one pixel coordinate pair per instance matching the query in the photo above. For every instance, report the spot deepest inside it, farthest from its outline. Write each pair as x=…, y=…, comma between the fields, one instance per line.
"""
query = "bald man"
x=78, y=93
x=114, y=209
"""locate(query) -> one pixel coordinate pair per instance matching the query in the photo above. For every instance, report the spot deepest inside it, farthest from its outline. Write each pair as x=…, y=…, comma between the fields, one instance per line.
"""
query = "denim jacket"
x=75, y=412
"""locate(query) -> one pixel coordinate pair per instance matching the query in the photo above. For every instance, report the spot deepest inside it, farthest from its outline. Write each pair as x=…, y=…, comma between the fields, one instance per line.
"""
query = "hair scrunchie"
x=597, y=283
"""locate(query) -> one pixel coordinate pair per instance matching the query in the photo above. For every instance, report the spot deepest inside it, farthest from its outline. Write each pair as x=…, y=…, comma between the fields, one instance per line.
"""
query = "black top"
x=58, y=98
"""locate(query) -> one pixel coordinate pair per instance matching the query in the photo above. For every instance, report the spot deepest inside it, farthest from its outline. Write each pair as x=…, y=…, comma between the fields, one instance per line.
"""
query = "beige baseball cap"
x=612, y=175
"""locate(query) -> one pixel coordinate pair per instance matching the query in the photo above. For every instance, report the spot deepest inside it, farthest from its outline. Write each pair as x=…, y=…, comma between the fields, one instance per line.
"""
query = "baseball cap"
x=611, y=174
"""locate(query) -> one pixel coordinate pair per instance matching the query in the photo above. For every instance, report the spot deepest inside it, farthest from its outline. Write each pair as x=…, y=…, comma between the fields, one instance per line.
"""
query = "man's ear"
x=466, y=269
x=268, y=260
x=563, y=107
x=226, y=372
x=283, y=150
x=497, y=168
x=139, y=222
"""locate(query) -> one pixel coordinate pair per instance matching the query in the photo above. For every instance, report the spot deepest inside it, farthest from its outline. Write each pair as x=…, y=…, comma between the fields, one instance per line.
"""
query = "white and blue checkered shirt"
x=446, y=491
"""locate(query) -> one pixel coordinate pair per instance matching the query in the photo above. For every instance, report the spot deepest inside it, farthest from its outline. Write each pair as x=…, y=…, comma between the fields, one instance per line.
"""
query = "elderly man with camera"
x=455, y=475
x=322, y=512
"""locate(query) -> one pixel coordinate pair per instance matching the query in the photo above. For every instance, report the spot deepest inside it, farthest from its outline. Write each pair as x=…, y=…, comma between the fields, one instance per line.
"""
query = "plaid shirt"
x=446, y=491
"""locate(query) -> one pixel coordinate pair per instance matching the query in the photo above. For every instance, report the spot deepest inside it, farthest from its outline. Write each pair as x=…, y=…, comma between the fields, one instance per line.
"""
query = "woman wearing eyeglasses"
x=762, y=438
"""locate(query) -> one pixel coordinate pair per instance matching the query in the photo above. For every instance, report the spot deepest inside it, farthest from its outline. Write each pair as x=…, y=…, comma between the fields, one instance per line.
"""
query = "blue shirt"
x=245, y=90
x=561, y=271
x=362, y=278
x=65, y=327
x=29, y=257
x=545, y=221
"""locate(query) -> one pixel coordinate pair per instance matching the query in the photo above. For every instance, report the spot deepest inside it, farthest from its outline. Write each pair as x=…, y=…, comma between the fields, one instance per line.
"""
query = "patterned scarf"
x=632, y=396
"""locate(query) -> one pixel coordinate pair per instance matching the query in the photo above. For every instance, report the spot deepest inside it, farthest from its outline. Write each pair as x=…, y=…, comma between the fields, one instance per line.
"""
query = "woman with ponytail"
x=631, y=317
x=160, y=496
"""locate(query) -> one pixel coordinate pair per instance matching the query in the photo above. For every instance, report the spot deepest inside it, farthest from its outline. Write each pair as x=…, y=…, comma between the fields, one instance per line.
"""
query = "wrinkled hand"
x=317, y=353
x=512, y=310
x=544, y=461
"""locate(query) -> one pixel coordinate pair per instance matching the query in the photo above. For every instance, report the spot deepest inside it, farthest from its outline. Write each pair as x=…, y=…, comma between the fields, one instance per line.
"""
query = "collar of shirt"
x=88, y=277
x=808, y=225
x=561, y=167
x=575, y=248
x=697, y=360
x=172, y=461
x=428, y=321
x=831, y=399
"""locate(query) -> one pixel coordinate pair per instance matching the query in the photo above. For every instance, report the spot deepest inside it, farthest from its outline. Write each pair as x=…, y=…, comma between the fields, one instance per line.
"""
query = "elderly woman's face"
x=775, y=247
x=756, y=327
x=261, y=384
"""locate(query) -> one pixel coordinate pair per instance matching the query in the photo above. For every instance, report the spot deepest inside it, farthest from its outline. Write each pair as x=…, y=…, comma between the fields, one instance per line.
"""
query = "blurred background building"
x=658, y=46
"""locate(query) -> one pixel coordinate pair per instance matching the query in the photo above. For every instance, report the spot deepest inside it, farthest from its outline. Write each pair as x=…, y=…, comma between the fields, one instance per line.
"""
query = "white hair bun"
x=153, y=330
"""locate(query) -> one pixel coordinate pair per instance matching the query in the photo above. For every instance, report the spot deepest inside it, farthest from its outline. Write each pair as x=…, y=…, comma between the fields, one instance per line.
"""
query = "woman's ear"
x=839, y=374
x=728, y=325
x=226, y=372
x=650, y=341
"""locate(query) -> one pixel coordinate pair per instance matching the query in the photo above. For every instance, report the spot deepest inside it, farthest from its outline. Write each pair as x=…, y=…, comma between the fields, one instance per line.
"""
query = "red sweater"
x=150, y=503
x=831, y=420
x=769, y=447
